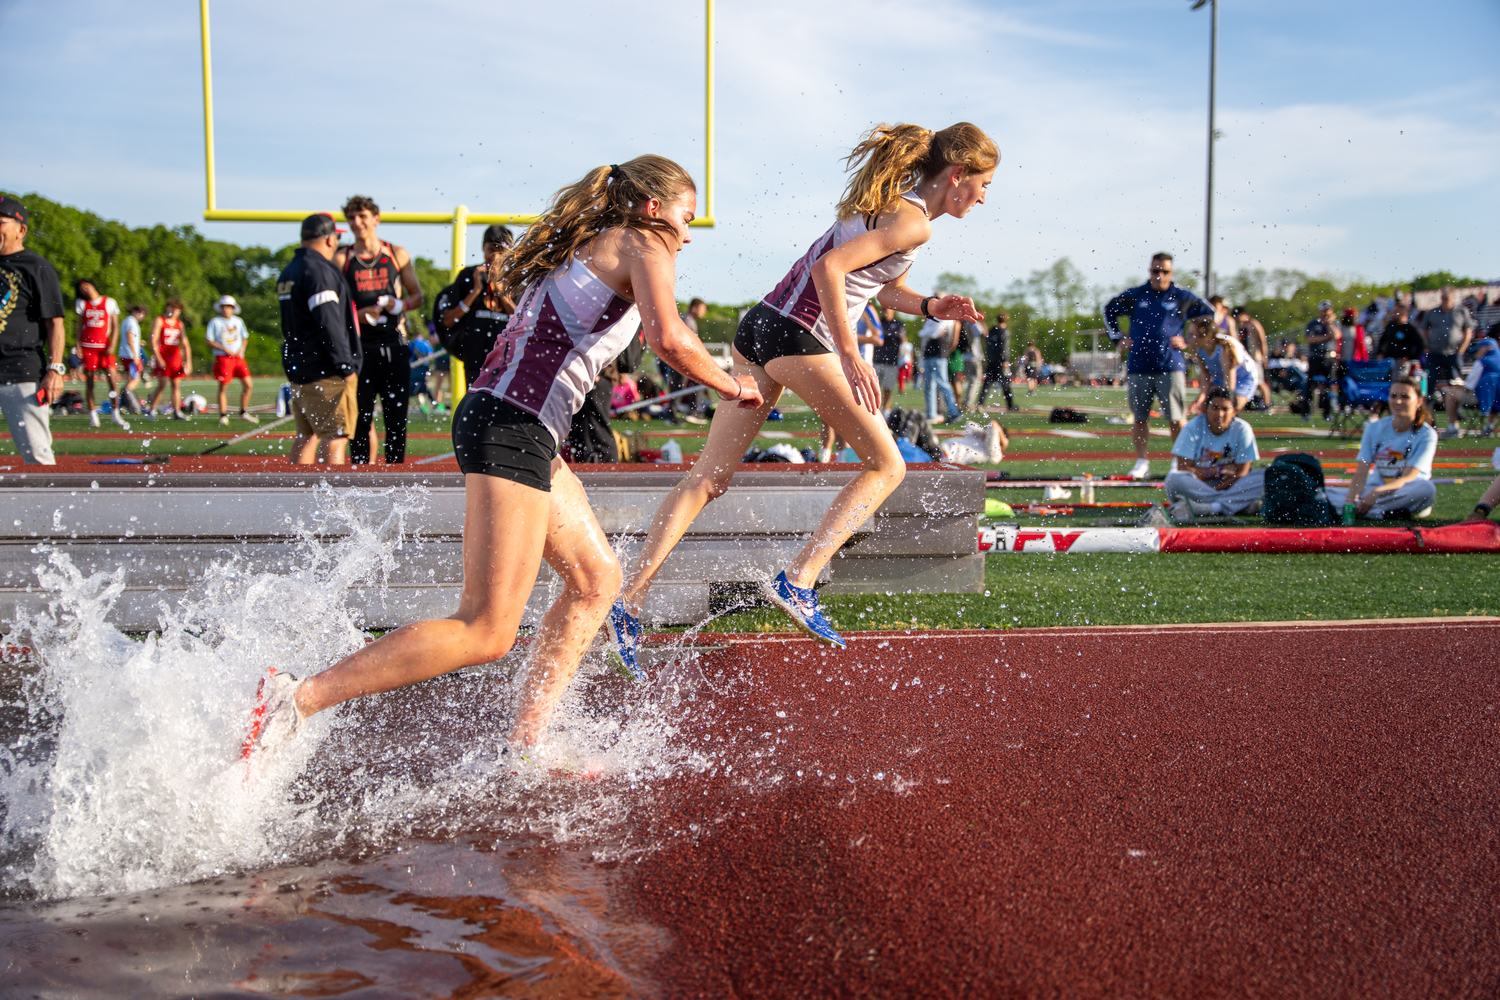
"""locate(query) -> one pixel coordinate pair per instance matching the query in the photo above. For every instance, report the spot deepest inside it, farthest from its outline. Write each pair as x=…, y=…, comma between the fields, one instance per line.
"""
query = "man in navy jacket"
x=1156, y=368
x=320, y=349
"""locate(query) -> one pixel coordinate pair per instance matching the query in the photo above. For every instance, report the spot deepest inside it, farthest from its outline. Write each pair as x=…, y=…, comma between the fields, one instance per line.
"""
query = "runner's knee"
x=490, y=642
x=598, y=579
x=711, y=484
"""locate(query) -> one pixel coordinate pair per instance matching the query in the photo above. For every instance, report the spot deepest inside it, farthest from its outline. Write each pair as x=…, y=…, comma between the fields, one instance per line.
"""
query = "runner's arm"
x=653, y=278
x=899, y=296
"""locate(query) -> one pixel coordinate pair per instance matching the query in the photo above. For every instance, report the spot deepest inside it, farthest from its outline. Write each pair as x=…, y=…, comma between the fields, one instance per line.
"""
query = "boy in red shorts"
x=174, y=358
x=98, y=338
x=226, y=338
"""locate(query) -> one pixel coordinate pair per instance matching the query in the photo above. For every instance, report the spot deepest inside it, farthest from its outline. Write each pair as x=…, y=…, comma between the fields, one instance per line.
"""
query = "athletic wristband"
x=463, y=305
x=1484, y=507
x=930, y=298
x=397, y=307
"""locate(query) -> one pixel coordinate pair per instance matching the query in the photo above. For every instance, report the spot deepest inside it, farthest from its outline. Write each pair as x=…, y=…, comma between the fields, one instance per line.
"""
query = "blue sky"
x=1361, y=138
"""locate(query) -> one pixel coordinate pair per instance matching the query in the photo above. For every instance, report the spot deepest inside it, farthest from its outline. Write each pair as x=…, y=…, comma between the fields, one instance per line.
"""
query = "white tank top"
x=566, y=328
x=796, y=298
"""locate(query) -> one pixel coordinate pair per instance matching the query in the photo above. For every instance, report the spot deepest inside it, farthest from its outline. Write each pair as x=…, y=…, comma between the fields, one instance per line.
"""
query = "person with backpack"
x=1214, y=453
x=1393, y=477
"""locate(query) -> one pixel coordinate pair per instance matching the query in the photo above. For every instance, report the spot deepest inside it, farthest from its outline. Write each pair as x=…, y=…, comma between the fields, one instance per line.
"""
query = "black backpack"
x=913, y=425
x=1294, y=492
x=1067, y=415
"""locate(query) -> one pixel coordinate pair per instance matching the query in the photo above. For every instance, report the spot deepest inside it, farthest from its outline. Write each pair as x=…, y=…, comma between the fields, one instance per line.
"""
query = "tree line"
x=151, y=264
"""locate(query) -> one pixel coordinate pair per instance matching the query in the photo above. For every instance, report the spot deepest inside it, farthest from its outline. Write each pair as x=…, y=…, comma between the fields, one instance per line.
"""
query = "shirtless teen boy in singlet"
x=599, y=262
x=378, y=273
x=801, y=337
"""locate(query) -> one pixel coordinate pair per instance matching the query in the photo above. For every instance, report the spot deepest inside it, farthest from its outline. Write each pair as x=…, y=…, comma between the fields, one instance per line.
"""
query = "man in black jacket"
x=321, y=350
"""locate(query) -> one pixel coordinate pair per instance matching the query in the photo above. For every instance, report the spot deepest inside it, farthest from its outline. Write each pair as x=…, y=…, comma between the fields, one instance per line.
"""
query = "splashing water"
x=120, y=771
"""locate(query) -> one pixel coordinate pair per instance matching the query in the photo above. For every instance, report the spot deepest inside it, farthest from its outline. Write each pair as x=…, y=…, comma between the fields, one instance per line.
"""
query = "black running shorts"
x=765, y=335
x=493, y=438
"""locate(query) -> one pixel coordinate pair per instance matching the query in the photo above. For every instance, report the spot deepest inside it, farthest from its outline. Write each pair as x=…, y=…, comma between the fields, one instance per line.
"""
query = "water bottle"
x=1348, y=515
x=671, y=452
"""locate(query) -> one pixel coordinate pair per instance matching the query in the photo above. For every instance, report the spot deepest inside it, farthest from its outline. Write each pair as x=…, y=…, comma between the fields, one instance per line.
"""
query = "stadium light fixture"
x=1213, y=136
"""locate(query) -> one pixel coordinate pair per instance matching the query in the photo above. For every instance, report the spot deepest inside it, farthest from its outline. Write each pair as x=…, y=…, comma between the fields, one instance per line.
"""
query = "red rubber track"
x=1268, y=811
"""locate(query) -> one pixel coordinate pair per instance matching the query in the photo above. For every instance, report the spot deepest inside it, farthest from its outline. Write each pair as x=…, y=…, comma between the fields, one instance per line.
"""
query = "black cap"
x=315, y=227
x=13, y=209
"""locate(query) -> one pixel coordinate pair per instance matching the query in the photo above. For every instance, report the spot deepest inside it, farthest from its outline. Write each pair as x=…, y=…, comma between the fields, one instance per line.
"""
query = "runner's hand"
x=862, y=380
x=749, y=397
x=1178, y=343
x=955, y=307
x=1124, y=343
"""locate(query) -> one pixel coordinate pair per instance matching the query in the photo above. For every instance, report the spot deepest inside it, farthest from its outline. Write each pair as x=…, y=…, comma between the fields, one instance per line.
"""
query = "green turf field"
x=1037, y=590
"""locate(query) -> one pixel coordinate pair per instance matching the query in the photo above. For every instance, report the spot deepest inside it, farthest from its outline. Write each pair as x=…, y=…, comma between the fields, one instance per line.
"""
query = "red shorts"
x=171, y=364
x=96, y=358
x=227, y=367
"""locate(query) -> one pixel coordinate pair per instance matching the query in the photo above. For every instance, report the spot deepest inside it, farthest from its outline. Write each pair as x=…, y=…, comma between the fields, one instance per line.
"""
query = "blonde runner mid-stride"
x=600, y=261
x=801, y=337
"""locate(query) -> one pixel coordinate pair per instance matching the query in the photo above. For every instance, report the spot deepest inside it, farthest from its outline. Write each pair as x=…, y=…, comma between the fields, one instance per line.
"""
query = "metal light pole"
x=1208, y=213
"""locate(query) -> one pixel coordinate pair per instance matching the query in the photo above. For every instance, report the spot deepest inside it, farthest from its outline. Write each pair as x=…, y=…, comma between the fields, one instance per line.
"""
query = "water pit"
x=1103, y=812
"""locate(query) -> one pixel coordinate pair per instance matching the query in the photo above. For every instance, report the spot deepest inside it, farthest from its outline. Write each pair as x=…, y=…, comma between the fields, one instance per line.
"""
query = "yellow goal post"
x=460, y=218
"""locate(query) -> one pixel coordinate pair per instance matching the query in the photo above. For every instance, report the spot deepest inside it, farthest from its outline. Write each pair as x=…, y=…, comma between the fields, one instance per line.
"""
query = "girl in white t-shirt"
x=1393, y=477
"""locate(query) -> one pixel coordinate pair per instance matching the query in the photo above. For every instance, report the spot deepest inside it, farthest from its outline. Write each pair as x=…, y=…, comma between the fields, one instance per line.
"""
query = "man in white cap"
x=227, y=337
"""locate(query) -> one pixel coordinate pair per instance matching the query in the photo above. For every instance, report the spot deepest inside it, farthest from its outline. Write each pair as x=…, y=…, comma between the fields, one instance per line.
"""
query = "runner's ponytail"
x=606, y=197
x=891, y=159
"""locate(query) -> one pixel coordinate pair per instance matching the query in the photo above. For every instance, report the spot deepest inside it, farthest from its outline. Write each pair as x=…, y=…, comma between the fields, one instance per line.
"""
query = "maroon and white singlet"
x=566, y=328
x=796, y=298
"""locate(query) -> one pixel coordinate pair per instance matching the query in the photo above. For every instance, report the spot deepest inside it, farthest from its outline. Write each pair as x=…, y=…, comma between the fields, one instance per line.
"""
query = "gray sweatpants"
x=1415, y=496
x=1185, y=485
x=30, y=424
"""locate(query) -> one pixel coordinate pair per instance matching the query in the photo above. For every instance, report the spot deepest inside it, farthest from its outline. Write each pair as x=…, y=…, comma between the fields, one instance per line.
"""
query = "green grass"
x=1029, y=591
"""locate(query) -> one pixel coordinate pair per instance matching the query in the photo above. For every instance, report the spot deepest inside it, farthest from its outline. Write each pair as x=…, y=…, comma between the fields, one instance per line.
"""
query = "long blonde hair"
x=891, y=159
x=607, y=197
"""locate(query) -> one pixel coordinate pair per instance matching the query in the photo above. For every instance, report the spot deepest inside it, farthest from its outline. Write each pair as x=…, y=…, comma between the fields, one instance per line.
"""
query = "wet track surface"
x=1264, y=811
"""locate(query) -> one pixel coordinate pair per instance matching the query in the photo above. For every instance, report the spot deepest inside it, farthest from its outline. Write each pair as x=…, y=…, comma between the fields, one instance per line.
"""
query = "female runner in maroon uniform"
x=801, y=337
x=601, y=259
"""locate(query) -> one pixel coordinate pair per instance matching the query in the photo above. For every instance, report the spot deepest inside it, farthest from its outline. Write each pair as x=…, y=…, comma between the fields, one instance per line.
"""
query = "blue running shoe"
x=801, y=603
x=624, y=631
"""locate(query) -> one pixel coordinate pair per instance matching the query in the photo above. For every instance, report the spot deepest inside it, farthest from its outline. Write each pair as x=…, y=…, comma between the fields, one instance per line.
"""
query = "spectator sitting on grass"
x=1214, y=453
x=1480, y=390
x=1393, y=477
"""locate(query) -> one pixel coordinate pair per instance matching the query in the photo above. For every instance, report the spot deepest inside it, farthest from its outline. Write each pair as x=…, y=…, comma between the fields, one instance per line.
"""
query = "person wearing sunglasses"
x=1155, y=368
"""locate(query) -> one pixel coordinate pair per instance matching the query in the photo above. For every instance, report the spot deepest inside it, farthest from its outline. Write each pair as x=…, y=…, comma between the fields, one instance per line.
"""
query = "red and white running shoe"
x=276, y=719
